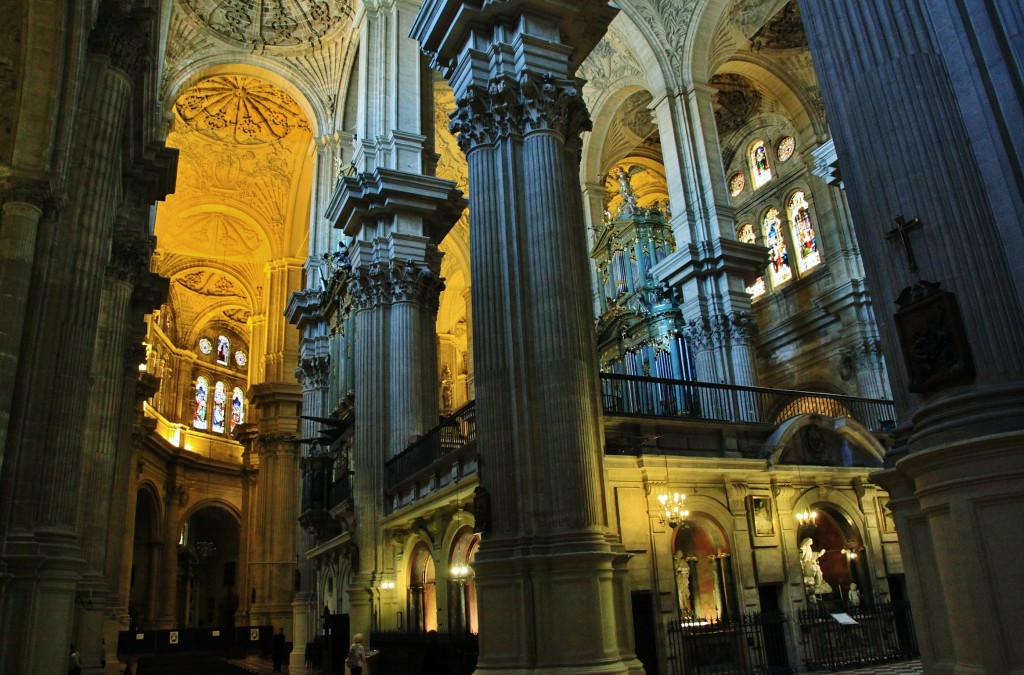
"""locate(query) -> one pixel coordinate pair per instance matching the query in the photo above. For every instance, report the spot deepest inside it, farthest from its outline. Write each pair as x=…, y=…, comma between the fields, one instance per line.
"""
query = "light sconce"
x=806, y=517
x=387, y=585
x=851, y=552
x=461, y=574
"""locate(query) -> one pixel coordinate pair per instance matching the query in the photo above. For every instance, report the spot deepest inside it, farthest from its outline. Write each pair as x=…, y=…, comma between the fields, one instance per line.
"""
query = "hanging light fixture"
x=672, y=508
x=806, y=517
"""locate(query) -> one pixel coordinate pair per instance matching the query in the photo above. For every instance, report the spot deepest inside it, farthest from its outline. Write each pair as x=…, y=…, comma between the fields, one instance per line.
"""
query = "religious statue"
x=814, y=582
x=629, y=204
x=682, y=568
x=853, y=596
x=447, y=389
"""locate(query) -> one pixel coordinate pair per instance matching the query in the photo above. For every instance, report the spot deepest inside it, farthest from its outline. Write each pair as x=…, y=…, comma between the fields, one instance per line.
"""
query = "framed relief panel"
x=762, y=520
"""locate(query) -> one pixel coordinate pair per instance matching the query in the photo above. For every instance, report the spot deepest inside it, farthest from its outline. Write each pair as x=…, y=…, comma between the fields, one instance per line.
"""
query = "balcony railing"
x=447, y=438
x=686, y=399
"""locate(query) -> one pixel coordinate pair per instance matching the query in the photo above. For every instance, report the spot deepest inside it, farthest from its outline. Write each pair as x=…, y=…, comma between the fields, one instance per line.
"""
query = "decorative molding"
x=259, y=24
x=241, y=110
x=123, y=36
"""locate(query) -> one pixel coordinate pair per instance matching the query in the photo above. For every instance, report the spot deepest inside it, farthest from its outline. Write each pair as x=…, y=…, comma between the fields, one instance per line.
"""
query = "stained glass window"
x=205, y=345
x=223, y=350
x=760, y=172
x=807, y=254
x=785, y=148
x=745, y=233
x=778, y=267
x=237, y=408
x=737, y=182
x=241, y=359
x=219, y=400
x=199, y=420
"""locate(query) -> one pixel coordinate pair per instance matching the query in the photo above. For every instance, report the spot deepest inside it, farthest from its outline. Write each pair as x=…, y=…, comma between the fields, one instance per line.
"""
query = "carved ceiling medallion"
x=735, y=103
x=635, y=114
x=272, y=23
x=240, y=110
x=785, y=30
x=209, y=283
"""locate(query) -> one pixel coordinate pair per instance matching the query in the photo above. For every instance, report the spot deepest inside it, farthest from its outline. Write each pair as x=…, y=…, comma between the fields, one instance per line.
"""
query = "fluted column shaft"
x=38, y=514
x=958, y=489
x=519, y=117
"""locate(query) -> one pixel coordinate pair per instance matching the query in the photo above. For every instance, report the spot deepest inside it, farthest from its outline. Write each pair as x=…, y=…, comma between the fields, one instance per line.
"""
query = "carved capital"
x=510, y=107
x=313, y=372
x=123, y=36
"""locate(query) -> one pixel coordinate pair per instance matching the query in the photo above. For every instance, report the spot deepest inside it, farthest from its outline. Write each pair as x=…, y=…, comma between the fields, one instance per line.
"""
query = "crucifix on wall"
x=901, y=232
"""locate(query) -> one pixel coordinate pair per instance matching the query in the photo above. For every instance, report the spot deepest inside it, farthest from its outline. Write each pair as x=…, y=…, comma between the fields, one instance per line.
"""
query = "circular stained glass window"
x=205, y=345
x=736, y=183
x=241, y=359
x=786, y=147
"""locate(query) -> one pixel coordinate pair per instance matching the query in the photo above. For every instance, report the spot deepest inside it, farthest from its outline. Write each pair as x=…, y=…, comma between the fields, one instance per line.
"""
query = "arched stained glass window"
x=745, y=233
x=757, y=289
x=220, y=398
x=760, y=171
x=778, y=268
x=237, y=408
x=223, y=350
x=807, y=254
x=199, y=417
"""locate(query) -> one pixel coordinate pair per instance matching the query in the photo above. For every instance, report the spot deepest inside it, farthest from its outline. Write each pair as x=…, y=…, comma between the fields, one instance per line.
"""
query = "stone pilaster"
x=519, y=116
x=956, y=494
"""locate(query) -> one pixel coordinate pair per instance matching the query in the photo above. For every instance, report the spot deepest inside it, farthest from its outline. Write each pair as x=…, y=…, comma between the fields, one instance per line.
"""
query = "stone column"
x=519, y=117
x=38, y=514
x=19, y=221
x=958, y=489
x=393, y=288
x=709, y=266
x=176, y=499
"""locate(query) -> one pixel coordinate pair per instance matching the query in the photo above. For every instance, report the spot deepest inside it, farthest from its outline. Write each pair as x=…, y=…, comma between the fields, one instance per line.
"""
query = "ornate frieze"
x=272, y=23
x=509, y=107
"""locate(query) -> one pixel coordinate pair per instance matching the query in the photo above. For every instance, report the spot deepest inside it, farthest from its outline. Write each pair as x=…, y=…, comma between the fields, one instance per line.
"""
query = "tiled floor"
x=264, y=667
x=902, y=668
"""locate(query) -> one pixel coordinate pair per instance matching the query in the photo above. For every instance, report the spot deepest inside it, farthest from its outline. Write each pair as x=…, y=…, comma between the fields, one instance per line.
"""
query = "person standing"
x=357, y=655
x=74, y=662
x=278, y=650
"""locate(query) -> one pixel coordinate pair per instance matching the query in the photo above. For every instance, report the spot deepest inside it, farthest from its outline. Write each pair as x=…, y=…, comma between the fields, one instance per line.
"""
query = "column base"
x=959, y=510
x=554, y=606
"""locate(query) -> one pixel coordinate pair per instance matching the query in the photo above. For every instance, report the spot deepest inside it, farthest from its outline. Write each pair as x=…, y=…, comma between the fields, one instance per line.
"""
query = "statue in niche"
x=814, y=581
x=447, y=388
x=682, y=568
x=853, y=596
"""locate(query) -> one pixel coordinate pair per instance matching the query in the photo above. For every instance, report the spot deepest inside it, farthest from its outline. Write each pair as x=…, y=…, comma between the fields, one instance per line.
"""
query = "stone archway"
x=208, y=593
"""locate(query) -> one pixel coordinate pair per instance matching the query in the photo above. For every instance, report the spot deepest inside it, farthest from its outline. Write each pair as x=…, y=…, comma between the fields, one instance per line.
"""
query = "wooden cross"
x=901, y=230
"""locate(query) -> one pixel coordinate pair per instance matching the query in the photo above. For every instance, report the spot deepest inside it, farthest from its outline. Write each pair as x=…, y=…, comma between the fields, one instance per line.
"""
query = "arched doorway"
x=462, y=614
x=208, y=569
x=829, y=538
x=145, y=561
x=422, y=591
x=702, y=560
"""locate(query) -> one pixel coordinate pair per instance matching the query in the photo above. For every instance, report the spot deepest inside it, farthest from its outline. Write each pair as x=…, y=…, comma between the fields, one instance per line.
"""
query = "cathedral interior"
x=581, y=337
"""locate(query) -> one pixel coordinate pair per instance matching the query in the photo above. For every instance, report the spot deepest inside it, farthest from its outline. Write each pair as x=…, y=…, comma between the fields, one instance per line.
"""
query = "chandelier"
x=205, y=549
x=672, y=508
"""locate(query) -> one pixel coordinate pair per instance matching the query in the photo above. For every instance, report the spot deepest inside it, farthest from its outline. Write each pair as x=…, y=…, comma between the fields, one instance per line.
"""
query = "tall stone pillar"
x=19, y=221
x=709, y=266
x=957, y=486
x=393, y=288
x=519, y=117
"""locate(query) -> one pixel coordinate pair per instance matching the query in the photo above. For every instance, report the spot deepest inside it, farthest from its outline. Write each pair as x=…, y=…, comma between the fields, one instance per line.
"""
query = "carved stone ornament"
x=736, y=102
x=509, y=107
x=241, y=110
x=785, y=30
x=400, y=281
x=932, y=337
x=123, y=36
x=272, y=23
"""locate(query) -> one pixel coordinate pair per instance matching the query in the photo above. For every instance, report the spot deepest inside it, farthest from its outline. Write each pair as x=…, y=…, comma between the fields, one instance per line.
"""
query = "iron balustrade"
x=447, y=438
x=883, y=632
x=689, y=399
x=747, y=644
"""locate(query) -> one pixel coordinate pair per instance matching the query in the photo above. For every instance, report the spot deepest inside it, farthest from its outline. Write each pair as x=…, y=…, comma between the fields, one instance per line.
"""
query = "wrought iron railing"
x=878, y=633
x=447, y=438
x=659, y=397
x=749, y=644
